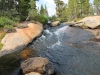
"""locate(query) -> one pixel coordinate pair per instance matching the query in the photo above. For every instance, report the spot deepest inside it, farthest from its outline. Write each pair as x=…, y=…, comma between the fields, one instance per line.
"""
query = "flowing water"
x=69, y=50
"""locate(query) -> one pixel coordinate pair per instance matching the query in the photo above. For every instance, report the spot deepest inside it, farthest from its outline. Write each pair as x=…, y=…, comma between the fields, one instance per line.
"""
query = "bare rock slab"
x=20, y=39
x=91, y=22
x=37, y=66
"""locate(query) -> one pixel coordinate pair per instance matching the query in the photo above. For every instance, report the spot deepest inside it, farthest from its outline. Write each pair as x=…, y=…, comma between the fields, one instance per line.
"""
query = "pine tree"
x=46, y=11
x=73, y=9
x=43, y=11
x=91, y=10
x=84, y=7
x=60, y=9
x=23, y=7
x=78, y=9
x=33, y=11
x=97, y=7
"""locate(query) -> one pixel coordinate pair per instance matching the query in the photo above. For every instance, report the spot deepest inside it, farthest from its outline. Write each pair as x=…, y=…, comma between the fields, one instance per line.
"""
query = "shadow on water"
x=69, y=50
x=10, y=63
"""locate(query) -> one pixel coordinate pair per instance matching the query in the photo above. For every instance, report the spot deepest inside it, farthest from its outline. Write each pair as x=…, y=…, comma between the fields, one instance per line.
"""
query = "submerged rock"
x=20, y=39
x=37, y=66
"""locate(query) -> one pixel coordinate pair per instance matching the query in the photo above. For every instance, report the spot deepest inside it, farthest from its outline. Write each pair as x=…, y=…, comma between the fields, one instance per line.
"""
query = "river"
x=70, y=50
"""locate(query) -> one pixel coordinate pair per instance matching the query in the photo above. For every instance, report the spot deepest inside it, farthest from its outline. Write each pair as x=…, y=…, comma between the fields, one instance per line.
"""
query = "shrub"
x=42, y=19
x=77, y=19
x=12, y=14
x=5, y=21
x=53, y=18
x=9, y=26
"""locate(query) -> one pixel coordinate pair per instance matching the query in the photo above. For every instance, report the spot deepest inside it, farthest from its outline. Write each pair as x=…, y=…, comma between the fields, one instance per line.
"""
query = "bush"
x=77, y=19
x=53, y=18
x=42, y=19
x=5, y=21
x=12, y=14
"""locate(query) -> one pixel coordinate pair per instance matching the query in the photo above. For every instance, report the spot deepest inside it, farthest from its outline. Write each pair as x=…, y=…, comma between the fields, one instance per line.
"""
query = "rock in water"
x=55, y=23
x=37, y=66
x=91, y=22
x=20, y=39
x=33, y=73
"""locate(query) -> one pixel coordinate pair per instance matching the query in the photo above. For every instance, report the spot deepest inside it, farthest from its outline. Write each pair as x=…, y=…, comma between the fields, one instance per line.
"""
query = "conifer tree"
x=43, y=11
x=46, y=11
x=97, y=7
x=33, y=11
x=85, y=5
x=22, y=8
x=73, y=9
x=60, y=9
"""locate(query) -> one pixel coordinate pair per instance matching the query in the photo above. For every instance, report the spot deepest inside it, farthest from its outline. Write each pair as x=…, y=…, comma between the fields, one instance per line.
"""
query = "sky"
x=51, y=5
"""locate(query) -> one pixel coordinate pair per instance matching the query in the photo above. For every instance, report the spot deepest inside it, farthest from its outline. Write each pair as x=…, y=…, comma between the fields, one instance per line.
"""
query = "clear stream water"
x=69, y=50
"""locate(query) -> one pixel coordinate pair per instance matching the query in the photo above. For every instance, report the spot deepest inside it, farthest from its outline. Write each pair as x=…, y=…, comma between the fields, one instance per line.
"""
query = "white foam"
x=61, y=30
x=54, y=45
x=48, y=32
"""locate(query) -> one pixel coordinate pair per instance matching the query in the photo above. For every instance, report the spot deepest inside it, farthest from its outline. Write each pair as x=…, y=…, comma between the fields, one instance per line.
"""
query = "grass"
x=77, y=19
x=1, y=45
x=9, y=26
x=2, y=35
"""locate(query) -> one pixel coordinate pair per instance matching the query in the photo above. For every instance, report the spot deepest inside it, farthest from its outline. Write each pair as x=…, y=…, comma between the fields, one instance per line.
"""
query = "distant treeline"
x=76, y=9
x=21, y=10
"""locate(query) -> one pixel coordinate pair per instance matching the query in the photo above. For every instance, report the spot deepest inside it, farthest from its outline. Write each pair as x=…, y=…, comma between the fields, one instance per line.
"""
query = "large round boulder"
x=37, y=66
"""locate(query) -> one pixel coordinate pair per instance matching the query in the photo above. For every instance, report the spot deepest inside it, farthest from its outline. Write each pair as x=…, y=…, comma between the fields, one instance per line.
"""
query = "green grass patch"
x=1, y=45
x=9, y=27
x=5, y=21
x=2, y=36
x=77, y=19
